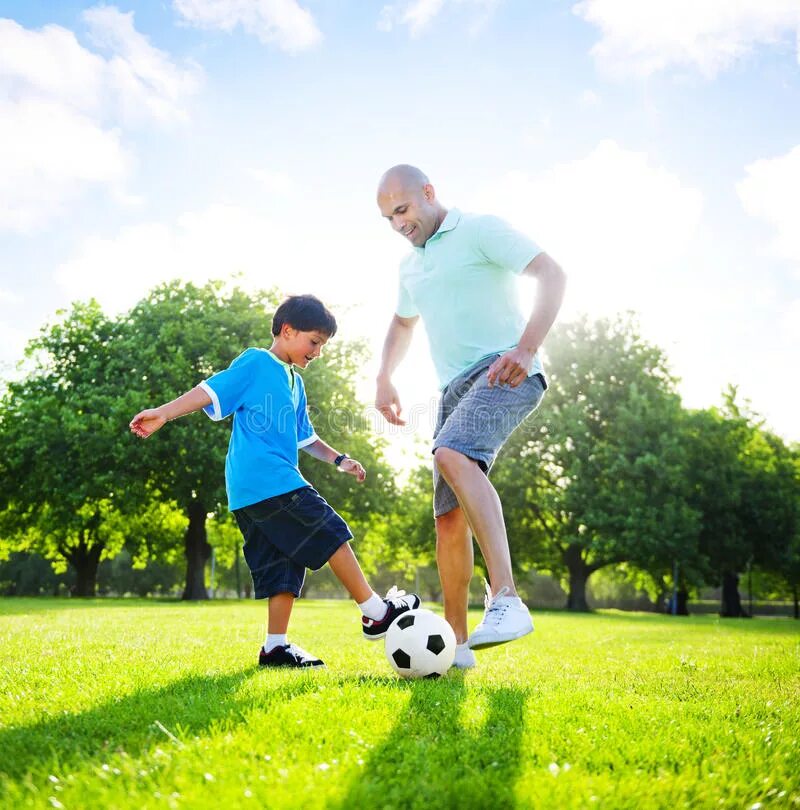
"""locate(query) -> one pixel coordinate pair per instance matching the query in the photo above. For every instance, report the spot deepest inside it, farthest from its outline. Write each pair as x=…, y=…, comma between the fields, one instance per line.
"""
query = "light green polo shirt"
x=463, y=283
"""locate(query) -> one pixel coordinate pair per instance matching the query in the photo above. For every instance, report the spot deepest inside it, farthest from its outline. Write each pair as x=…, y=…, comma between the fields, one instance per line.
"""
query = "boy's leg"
x=279, y=611
x=277, y=579
x=345, y=566
x=377, y=613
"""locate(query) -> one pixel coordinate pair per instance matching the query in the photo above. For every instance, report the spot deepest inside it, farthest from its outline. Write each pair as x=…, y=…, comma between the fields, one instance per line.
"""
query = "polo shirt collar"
x=450, y=221
x=452, y=218
x=288, y=368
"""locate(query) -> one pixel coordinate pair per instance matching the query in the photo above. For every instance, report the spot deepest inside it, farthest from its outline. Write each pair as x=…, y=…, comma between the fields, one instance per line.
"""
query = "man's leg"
x=483, y=512
x=455, y=561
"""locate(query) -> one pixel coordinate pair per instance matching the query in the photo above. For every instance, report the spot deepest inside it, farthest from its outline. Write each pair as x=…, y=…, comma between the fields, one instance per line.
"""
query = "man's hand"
x=387, y=402
x=511, y=368
x=353, y=467
x=147, y=422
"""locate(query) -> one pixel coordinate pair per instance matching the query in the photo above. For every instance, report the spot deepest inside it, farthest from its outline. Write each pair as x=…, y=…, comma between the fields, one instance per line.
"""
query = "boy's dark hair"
x=306, y=313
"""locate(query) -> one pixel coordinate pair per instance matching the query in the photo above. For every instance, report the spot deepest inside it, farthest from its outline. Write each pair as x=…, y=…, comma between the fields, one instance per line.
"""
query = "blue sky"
x=652, y=148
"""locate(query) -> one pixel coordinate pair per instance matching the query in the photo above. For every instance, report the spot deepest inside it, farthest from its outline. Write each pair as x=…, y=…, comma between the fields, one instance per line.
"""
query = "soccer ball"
x=420, y=644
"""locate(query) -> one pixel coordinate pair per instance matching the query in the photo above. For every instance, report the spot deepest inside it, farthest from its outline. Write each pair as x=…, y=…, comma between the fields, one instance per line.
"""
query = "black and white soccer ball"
x=420, y=644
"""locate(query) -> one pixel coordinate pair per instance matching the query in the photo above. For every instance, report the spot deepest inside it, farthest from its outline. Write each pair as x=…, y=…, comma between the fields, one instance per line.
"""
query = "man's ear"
x=429, y=192
x=287, y=331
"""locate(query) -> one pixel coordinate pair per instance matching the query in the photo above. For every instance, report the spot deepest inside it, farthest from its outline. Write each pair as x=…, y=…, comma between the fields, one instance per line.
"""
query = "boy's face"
x=302, y=347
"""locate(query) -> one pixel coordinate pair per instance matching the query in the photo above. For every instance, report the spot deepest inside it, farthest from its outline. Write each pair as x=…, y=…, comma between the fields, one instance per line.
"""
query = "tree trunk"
x=197, y=553
x=731, y=606
x=682, y=603
x=796, y=602
x=85, y=558
x=579, y=573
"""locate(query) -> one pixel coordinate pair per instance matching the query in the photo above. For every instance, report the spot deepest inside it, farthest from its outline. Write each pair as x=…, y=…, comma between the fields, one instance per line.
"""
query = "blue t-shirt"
x=270, y=423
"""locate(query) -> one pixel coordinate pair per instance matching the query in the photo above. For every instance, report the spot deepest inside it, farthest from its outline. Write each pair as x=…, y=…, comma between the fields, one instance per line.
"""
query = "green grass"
x=115, y=704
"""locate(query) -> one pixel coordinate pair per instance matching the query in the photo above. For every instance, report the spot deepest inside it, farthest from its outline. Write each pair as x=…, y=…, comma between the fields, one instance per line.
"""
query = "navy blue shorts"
x=285, y=535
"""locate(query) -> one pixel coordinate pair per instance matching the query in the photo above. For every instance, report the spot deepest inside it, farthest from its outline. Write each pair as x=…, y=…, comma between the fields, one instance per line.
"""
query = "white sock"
x=275, y=640
x=374, y=608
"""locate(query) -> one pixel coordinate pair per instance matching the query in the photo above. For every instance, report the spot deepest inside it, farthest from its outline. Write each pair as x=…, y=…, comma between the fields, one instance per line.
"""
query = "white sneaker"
x=465, y=658
x=506, y=618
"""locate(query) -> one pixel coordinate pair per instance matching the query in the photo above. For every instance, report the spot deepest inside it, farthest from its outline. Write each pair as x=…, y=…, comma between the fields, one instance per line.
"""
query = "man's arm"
x=324, y=452
x=514, y=365
x=395, y=347
x=147, y=422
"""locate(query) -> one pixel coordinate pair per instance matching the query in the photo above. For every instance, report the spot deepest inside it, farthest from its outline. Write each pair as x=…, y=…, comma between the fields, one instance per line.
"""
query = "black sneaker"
x=288, y=655
x=397, y=602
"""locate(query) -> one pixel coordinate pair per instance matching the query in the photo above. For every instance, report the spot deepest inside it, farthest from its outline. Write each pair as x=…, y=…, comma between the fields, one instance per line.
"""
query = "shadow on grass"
x=185, y=708
x=431, y=759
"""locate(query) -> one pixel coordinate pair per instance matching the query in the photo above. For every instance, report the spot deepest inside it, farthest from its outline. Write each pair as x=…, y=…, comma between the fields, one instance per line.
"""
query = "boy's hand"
x=350, y=465
x=147, y=422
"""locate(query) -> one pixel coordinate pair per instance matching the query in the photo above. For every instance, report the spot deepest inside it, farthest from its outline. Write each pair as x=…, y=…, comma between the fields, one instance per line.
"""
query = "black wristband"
x=339, y=459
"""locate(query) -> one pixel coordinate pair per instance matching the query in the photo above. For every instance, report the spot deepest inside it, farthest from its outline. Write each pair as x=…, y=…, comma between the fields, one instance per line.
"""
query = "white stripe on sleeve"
x=217, y=414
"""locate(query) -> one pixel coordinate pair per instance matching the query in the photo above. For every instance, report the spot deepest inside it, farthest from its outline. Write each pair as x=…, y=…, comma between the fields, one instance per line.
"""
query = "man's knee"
x=449, y=523
x=450, y=462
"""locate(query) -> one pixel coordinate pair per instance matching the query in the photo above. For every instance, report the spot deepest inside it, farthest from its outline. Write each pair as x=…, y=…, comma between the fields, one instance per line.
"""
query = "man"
x=461, y=279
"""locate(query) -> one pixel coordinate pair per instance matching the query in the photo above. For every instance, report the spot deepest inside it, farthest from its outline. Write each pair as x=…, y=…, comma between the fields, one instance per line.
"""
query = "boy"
x=286, y=525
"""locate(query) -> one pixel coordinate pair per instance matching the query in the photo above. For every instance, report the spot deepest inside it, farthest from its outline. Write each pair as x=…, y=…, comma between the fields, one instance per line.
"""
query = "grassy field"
x=113, y=704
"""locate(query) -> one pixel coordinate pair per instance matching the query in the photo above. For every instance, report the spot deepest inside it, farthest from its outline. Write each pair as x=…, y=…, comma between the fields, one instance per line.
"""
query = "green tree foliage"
x=598, y=477
x=744, y=484
x=77, y=486
x=59, y=465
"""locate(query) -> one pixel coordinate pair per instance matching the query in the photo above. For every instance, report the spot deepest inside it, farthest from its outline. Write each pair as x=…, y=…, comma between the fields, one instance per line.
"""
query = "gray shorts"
x=477, y=420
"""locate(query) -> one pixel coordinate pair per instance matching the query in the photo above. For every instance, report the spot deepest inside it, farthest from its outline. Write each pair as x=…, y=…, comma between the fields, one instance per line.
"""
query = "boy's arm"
x=324, y=452
x=147, y=422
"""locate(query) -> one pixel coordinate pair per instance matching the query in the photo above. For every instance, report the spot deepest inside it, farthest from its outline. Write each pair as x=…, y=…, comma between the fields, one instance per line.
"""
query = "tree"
x=744, y=484
x=598, y=478
x=58, y=471
x=77, y=486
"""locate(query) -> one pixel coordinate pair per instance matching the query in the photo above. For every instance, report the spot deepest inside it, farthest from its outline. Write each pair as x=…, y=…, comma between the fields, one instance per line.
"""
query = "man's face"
x=410, y=211
x=302, y=347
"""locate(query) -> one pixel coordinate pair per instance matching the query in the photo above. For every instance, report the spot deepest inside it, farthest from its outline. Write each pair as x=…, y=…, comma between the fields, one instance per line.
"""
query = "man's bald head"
x=403, y=175
x=408, y=200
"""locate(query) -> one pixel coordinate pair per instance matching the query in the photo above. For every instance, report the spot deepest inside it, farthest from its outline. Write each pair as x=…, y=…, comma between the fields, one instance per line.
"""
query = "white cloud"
x=50, y=154
x=146, y=82
x=12, y=347
x=771, y=192
x=284, y=22
x=418, y=14
x=274, y=181
x=613, y=219
x=48, y=63
x=590, y=99
x=9, y=297
x=62, y=108
x=212, y=243
x=709, y=35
